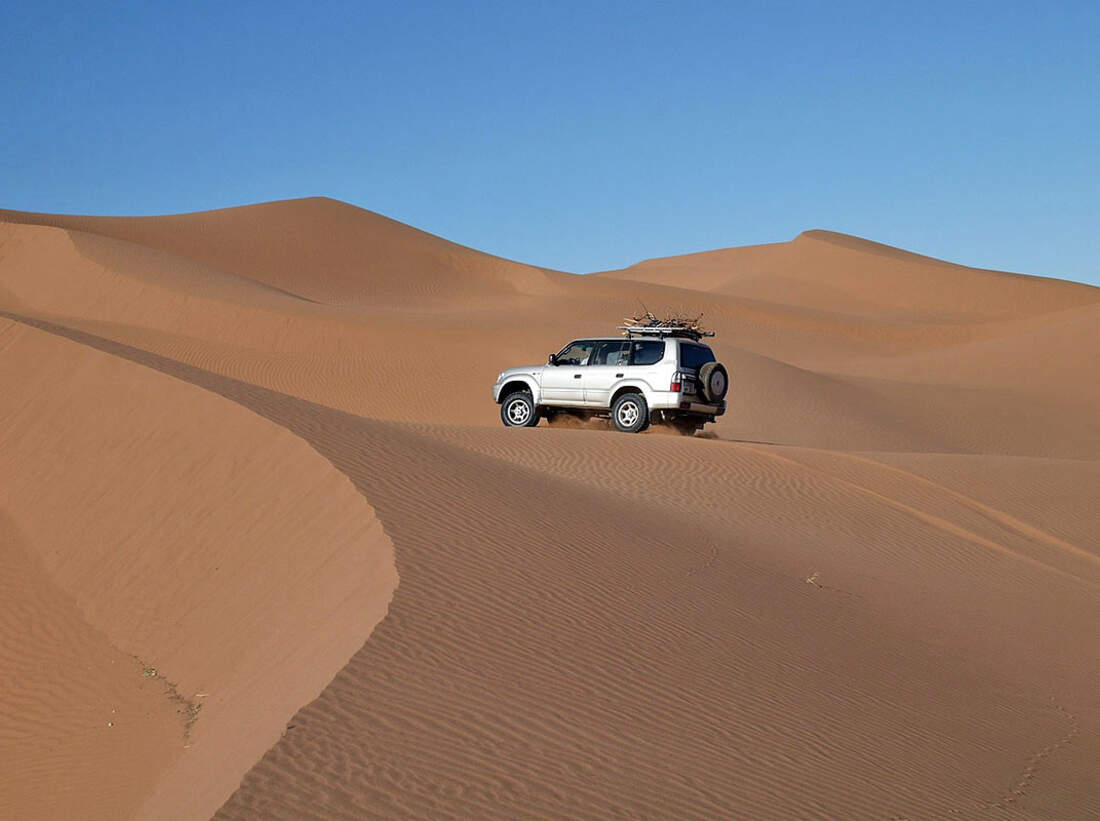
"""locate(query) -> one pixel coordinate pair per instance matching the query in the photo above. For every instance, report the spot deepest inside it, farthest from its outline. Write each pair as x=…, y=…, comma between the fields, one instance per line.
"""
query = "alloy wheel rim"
x=518, y=412
x=628, y=414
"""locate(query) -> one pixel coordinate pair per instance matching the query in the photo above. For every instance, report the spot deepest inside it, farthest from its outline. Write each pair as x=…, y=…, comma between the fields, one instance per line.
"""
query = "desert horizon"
x=271, y=553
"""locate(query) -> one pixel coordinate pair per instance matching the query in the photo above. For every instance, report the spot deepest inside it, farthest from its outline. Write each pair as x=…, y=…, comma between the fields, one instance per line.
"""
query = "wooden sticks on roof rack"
x=648, y=324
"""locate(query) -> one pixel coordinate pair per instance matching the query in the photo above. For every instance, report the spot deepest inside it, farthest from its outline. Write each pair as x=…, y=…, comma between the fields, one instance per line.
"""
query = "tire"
x=715, y=381
x=518, y=410
x=630, y=413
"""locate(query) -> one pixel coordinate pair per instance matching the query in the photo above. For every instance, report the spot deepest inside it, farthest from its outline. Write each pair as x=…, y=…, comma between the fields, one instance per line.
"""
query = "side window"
x=647, y=352
x=610, y=353
x=576, y=353
x=695, y=356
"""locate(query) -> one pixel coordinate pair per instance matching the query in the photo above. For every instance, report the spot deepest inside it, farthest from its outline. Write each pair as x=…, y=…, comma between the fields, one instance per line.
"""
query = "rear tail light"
x=675, y=386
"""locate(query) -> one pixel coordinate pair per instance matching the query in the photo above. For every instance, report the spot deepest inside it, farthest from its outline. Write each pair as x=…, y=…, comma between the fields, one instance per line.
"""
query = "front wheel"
x=630, y=413
x=518, y=410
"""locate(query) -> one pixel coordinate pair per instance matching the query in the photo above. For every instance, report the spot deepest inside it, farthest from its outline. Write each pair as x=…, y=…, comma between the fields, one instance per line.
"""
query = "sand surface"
x=270, y=553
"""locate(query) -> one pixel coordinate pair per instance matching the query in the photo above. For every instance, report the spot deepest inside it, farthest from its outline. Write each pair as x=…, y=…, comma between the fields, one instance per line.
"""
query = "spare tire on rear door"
x=715, y=381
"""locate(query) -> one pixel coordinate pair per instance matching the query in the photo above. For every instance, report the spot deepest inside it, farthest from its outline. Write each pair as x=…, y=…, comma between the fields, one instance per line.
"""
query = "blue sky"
x=579, y=136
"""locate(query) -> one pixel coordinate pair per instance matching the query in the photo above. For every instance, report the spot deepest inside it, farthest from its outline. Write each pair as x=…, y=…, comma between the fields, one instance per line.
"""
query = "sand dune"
x=322, y=250
x=254, y=449
x=158, y=514
x=853, y=276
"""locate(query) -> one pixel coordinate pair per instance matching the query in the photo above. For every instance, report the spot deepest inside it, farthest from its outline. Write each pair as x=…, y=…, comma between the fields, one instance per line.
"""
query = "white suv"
x=652, y=375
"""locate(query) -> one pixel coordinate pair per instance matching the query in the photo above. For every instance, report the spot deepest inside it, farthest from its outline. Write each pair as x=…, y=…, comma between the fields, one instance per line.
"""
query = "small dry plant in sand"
x=188, y=708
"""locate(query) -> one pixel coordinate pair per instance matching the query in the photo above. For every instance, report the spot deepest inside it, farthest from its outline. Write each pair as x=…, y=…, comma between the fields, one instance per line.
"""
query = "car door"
x=693, y=356
x=607, y=366
x=563, y=383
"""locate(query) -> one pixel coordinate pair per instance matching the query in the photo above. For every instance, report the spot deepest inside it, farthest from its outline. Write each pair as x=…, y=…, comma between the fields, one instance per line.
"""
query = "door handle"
x=576, y=376
x=618, y=375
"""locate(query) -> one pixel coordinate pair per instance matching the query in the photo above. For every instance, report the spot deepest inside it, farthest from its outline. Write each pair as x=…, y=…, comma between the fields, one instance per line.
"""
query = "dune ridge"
x=869, y=593
x=846, y=274
x=353, y=257
x=161, y=529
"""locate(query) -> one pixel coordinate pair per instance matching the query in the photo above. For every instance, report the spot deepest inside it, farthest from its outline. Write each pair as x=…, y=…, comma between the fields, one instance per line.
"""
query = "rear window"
x=695, y=356
x=647, y=352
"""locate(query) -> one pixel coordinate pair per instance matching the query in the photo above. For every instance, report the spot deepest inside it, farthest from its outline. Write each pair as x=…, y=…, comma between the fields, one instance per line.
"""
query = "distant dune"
x=270, y=553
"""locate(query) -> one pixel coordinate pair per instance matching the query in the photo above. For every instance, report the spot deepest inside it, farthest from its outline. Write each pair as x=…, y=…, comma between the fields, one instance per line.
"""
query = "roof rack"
x=677, y=326
x=686, y=333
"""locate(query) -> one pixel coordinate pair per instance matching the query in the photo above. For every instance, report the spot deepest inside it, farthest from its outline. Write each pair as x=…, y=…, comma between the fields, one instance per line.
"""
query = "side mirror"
x=552, y=360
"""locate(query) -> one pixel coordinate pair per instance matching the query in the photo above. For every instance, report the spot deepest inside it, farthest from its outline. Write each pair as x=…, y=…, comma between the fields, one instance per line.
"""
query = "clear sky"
x=577, y=135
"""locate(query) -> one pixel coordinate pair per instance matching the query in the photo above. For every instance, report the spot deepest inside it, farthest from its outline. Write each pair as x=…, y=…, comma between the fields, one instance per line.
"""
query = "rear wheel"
x=630, y=413
x=518, y=410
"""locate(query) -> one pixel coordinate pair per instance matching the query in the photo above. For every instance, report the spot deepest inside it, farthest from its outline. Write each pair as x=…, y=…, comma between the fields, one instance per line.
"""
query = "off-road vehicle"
x=655, y=373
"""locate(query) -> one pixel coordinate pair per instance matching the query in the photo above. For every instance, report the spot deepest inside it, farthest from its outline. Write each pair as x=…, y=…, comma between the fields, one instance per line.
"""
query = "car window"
x=647, y=352
x=695, y=356
x=576, y=353
x=610, y=353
